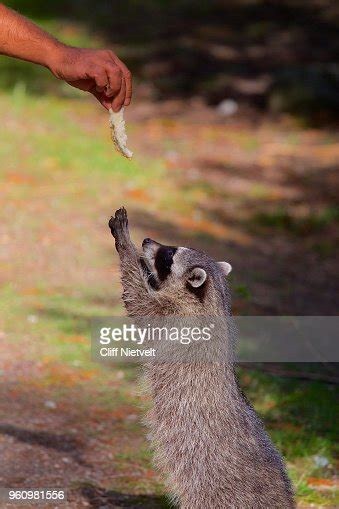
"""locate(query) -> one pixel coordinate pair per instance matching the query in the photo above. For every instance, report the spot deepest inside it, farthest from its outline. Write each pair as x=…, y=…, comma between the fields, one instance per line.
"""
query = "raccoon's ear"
x=225, y=267
x=197, y=277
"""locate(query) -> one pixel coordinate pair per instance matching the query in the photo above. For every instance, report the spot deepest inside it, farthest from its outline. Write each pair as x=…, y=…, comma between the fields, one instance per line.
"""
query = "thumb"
x=103, y=99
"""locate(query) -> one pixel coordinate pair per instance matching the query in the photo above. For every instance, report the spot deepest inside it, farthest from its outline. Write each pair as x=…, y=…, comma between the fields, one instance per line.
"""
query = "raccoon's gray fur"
x=208, y=442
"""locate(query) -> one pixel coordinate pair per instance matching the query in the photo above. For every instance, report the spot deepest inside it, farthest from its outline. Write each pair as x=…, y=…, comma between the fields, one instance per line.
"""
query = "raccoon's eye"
x=169, y=255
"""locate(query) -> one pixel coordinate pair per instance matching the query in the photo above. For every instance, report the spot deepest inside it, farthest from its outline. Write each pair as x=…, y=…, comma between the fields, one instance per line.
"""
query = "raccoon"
x=208, y=442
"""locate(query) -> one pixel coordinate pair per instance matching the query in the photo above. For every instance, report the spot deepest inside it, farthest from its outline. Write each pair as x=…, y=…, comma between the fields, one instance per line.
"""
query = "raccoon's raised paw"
x=119, y=227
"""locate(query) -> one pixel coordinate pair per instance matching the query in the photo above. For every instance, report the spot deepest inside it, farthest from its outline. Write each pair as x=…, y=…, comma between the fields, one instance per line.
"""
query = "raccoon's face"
x=181, y=269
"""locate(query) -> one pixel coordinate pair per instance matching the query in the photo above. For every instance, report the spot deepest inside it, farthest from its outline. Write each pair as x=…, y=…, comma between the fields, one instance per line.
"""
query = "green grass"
x=301, y=417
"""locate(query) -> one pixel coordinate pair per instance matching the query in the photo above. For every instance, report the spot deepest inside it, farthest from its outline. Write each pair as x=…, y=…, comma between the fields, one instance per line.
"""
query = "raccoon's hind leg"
x=138, y=296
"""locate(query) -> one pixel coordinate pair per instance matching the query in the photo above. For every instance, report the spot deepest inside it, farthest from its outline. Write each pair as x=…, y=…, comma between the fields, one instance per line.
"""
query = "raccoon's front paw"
x=119, y=228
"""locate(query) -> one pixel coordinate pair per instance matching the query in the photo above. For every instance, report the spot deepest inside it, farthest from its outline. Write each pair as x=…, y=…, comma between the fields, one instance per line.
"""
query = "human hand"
x=99, y=72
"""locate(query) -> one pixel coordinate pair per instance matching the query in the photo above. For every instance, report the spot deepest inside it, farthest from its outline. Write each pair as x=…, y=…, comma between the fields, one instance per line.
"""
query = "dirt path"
x=57, y=435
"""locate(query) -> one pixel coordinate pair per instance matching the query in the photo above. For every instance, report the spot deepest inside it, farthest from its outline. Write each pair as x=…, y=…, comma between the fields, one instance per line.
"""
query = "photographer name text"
x=127, y=352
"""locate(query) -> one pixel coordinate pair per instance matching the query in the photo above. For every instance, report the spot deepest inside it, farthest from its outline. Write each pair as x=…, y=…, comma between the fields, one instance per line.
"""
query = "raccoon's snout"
x=150, y=247
x=147, y=241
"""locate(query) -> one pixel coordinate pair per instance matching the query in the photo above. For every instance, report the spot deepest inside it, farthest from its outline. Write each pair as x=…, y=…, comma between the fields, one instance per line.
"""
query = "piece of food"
x=119, y=136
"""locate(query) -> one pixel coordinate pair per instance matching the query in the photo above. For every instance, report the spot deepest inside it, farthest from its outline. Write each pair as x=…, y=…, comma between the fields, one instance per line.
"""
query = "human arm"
x=99, y=72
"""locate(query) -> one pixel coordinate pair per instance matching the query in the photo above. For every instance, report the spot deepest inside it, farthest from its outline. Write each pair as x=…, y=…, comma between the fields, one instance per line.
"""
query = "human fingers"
x=128, y=78
x=105, y=101
x=119, y=99
x=99, y=75
x=115, y=79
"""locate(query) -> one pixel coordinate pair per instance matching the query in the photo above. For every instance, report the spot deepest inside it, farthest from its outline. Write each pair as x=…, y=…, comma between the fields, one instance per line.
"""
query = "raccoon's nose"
x=150, y=246
x=149, y=242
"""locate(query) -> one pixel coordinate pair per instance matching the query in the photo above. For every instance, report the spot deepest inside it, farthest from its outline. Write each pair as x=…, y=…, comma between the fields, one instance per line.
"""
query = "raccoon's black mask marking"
x=163, y=261
x=150, y=277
